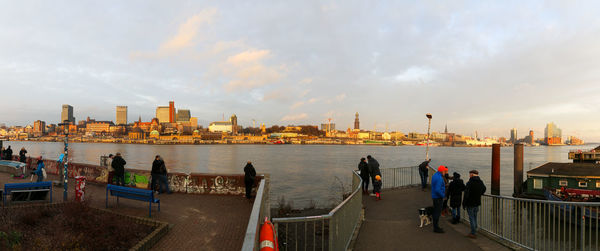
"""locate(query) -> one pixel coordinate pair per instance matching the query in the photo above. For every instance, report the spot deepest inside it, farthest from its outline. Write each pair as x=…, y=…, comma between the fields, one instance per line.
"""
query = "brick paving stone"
x=197, y=222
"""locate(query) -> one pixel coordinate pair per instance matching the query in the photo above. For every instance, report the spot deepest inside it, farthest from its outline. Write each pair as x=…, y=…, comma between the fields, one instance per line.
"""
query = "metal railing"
x=260, y=209
x=332, y=231
x=402, y=176
x=540, y=224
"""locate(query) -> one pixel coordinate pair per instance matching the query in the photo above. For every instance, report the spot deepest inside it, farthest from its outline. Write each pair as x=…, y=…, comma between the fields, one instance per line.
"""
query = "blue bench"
x=34, y=191
x=134, y=194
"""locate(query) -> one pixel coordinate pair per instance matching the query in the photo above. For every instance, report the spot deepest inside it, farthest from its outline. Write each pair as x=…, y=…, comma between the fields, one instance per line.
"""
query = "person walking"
x=424, y=173
x=438, y=192
x=455, y=190
x=363, y=167
x=22, y=157
x=8, y=154
x=40, y=169
x=118, y=164
x=110, y=169
x=159, y=175
x=249, y=177
x=472, y=200
x=373, y=169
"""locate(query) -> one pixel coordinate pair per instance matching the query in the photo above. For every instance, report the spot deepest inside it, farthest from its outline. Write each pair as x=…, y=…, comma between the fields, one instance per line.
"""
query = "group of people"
x=369, y=170
x=444, y=188
x=6, y=154
x=116, y=172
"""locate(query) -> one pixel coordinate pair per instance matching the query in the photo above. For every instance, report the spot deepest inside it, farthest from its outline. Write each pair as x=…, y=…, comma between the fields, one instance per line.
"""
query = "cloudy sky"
x=475, y=65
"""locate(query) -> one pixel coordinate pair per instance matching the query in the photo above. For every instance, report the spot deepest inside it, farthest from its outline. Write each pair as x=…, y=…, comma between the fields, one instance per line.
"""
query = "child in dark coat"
x=455, y=191
x=377, y=187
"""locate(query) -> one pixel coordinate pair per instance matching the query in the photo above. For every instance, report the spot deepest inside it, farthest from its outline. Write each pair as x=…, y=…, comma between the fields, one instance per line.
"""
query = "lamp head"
x=428, y=115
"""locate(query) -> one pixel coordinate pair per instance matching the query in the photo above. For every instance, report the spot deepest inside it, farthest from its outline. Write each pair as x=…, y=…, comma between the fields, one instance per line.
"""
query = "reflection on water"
x=302, y=172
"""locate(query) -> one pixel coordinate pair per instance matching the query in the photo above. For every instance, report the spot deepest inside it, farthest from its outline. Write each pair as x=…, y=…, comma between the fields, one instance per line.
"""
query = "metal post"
x=518, y=170
x=66, y=164
x=496, y=169
x=428, y=128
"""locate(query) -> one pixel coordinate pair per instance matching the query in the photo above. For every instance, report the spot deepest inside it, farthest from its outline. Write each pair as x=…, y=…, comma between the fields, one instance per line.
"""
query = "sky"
x=485, y=66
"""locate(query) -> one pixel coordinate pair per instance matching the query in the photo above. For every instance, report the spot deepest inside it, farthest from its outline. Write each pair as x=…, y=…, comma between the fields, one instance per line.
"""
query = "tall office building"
x=234, y=125
x=67, y=114
x=121, y=115
x=183, y=115
x=356, y=122
x=552, y=134
x=531, y=139
x=163, y=114
x=171, y=111
x=513, y=135
x=39, y=127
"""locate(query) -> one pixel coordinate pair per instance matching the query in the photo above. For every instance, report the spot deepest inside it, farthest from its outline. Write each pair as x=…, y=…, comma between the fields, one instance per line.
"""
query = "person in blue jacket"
x=39, y=171
x=438, y=192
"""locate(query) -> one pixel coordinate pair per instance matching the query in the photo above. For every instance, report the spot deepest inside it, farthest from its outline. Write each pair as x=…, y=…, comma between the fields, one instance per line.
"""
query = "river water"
x=302, y=174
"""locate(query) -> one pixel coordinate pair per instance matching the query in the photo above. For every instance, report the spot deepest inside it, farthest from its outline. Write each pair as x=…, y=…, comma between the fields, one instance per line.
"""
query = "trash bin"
x=79, y=188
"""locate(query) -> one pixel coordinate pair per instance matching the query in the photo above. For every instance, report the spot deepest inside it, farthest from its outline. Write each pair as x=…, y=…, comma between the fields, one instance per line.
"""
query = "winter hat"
x=456, y=175
x=377, y=177
x=442, y=168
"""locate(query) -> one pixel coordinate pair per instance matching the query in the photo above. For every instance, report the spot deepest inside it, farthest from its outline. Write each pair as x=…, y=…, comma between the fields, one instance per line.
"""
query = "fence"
x=332, y=231
x=260, y=210
x=540, y=224
x=402, y=176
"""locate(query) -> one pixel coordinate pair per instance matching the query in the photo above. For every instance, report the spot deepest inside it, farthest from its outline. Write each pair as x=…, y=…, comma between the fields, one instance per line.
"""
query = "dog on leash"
x=425, y=215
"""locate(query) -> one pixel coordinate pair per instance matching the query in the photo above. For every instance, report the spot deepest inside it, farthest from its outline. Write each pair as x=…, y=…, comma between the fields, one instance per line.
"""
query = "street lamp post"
x=65, y=161
x=428, y=115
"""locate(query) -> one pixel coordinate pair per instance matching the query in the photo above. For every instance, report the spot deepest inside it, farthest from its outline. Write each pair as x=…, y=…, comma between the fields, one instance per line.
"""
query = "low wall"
x=194, y=183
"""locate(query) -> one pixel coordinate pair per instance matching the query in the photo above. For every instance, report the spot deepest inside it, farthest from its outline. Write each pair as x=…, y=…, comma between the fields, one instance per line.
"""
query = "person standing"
x=249, y=177
x=159, y=175
x=424, y=173
x=40, y=169
x=118, y=164
x=8, y=154
x=110, y=169
x=373, y=169
x=363, y=167
x=455, y=190
x=22, y=157
x=438, y=192
x=472, y=200
x=2, y=150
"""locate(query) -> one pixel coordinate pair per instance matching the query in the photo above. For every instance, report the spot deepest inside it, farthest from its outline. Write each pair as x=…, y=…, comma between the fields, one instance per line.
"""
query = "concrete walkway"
x=393, y=224
x=197, y=222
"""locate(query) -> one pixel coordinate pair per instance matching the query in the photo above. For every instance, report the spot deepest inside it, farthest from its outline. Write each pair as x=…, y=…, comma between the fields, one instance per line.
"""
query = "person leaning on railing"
x=472, y=199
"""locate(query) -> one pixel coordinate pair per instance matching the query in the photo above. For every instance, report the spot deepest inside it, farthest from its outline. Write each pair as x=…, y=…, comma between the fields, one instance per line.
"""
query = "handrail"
x=254, y=224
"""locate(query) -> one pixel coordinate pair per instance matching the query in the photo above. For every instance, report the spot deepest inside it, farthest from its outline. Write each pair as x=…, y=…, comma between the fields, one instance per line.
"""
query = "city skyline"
x=482, y=67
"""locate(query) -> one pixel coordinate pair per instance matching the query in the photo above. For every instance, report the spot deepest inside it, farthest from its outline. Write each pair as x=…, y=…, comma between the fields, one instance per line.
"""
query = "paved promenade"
x=197, y=222
x=393, y=224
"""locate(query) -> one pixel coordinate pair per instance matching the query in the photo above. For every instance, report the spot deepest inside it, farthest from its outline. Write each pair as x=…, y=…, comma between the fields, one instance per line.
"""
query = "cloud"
x=416, y=74
x=294, y=117
x=340, y=97
x=246, y=70
x=297, y=104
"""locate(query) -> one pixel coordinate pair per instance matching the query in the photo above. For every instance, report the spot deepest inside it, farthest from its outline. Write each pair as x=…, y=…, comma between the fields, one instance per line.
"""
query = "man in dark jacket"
x=159, y=175
x=118, y=164
x=455, y=190
x=249, y=177
x=22, y=157
x=424, y=173
x=373, y=169
x=363, y=167
x=8, y=154
x=472, y=200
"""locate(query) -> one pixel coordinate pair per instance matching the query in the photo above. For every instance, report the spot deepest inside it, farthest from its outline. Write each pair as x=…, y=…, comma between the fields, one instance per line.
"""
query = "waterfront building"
x=66, y=114
x=552, y=134
x=328, y=127
x=574, y=141
x=183, y=115
x=39, y=128
x=356, y=122
x=234, y=124
x=98, y=127
x=171, y=112
x=162, y=114
x=194, y=122
x=513, y=135
x=121, y=115
x=137, y=133
x=220, y=126
x=531, y=138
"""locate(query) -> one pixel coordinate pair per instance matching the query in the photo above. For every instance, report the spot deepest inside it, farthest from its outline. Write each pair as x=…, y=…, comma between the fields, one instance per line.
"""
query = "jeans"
x=365, y=184
x=163, y=180
x=373, y=182
x=437, y=211
x=120, y=180
x=40, y=178
x=423, y=179
x=472, y=211
x=456, y=213
x=249, y=184
x=109, y=180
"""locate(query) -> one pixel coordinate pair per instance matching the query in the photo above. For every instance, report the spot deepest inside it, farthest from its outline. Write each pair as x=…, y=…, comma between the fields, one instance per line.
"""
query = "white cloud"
x=416, y=74
x=246, y=70
x=294, y=117
x=188, y=31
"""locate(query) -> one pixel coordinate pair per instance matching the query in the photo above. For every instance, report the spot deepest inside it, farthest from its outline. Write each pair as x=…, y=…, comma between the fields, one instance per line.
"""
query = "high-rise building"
x=39, y=127
x=234, y=124
x=513, y=135
x=531, y=139
x=183, y=115
x=171, y=112
x=67, y=114
x=356, y=122
x=121, y=115
x=163, y=114
x=194, y=122
x=552, y=134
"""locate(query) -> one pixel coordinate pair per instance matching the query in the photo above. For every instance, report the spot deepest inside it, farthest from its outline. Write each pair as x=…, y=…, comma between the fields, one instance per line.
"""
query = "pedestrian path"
x=393, y=224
